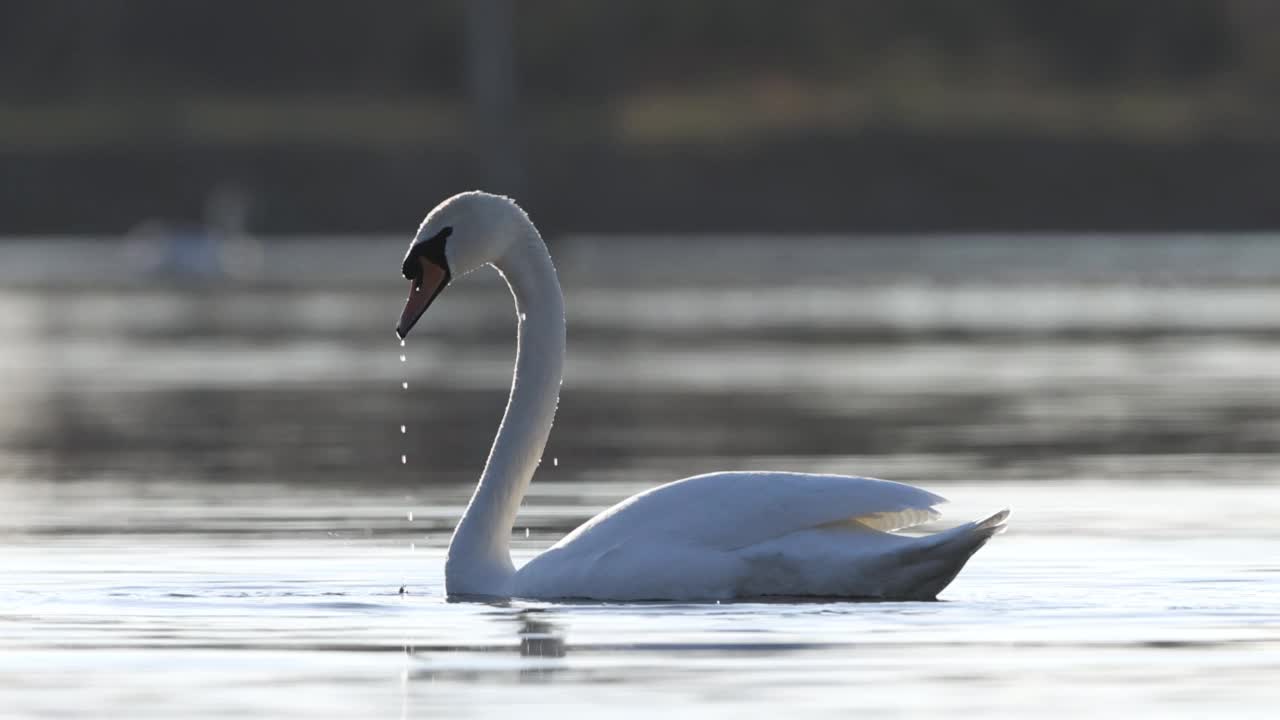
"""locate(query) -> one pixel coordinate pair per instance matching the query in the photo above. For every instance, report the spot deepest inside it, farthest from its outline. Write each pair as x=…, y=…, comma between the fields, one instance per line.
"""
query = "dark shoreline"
x=871, y=182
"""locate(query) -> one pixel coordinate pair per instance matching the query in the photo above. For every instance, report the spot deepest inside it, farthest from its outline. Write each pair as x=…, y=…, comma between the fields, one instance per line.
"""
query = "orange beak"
x=422, y=291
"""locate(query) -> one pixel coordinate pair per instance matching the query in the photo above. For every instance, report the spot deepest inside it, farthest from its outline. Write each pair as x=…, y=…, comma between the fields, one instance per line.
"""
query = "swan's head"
x=463, y=233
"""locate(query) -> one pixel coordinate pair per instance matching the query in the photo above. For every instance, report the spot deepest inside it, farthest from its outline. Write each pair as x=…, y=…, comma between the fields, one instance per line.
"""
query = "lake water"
x=206, y=514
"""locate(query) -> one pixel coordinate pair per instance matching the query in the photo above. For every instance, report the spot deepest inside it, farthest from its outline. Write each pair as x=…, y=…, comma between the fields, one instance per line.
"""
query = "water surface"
x=206, y=513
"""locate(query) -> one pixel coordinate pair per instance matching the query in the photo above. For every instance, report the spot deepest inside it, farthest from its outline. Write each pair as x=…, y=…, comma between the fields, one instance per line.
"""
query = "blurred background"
x=639, y=116
x=918, y=239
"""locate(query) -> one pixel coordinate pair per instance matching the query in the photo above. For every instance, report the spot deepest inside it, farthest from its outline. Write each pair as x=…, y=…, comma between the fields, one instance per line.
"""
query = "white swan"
x=718, y=536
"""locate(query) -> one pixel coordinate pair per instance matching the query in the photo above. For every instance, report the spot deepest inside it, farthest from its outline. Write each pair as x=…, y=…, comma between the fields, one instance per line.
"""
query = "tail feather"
x=996, y=522
x=928, y=565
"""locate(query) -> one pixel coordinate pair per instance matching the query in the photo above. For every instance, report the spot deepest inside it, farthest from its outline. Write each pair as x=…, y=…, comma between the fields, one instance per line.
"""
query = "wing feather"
x=731, y=510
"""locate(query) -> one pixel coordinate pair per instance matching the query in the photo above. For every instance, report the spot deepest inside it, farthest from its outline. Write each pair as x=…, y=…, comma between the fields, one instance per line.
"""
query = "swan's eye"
x=431, y=250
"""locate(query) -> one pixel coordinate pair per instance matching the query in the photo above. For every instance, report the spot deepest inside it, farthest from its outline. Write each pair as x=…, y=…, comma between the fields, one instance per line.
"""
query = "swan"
x=720, y=536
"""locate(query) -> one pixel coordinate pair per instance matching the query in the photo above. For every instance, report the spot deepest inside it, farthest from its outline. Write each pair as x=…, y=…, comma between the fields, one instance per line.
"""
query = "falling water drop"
x=526, y=533
x=404, y=459
x=555, y=462
x=523, y=317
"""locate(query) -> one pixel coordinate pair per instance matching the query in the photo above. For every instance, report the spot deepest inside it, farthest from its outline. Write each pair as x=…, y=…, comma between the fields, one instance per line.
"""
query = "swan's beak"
x=422, y=291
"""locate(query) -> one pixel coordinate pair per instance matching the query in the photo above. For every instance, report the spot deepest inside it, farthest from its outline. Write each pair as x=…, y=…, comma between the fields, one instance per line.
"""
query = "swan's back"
x=730, y=510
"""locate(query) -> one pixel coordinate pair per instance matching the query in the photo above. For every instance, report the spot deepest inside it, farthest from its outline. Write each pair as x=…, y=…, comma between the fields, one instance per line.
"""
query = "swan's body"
x=740, y=534
x=717, y=536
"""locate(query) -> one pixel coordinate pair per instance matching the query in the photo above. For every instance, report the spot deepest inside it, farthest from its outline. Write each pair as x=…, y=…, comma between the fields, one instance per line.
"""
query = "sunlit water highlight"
x=283, y=600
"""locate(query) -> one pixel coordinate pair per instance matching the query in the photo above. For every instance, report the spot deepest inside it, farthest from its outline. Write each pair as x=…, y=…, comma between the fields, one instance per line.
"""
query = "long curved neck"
x=479, y=558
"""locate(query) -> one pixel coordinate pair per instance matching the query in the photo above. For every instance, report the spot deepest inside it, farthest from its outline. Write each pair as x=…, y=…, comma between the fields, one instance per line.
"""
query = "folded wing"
x=732, y=510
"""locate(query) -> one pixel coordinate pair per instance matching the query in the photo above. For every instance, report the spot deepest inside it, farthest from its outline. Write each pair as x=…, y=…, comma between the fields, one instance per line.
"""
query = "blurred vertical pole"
x=491, y=87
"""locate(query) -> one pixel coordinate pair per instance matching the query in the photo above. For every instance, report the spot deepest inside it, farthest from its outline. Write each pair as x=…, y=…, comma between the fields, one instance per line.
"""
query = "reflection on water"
x=539, y=637
x=204, y=486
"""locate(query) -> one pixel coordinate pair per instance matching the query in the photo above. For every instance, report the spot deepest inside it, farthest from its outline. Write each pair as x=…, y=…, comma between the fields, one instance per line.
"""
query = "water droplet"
x=555, y=462
x=404, y=459
x=402, y=343
x=404, y=385
x=402, y=357
x=410, y=516
x=523, y=317
x=526, y=533
x=402, y=429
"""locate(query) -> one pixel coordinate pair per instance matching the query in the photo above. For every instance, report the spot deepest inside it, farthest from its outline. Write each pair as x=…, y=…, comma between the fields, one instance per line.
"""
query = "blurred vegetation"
x=82, y=82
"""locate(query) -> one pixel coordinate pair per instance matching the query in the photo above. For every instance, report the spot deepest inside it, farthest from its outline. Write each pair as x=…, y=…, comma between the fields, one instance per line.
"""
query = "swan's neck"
x=479, y=559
